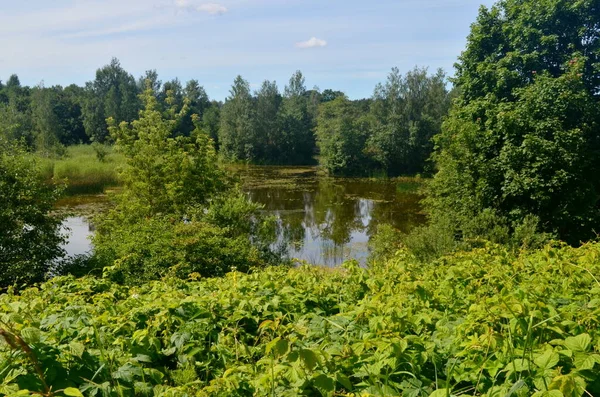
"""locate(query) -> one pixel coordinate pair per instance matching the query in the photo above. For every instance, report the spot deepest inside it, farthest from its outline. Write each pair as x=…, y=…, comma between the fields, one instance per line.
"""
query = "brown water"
x=321, y=220
x=328, y=220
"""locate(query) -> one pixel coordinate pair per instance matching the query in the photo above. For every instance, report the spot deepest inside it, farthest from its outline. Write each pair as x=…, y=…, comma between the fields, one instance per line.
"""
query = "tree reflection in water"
x=327, y=220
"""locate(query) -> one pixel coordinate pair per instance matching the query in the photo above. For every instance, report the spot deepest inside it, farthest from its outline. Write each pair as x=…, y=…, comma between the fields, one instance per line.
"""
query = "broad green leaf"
x=344, y=381
x=518, y=365
x=77, y=349
x=281, y=347
x=579, y=343
x=548, y=393
x=441, y=393
x=72, y=392
x=547, y=360
x=570, y=385
x=324, y=383
x=584, y=361
x=309, y=358
x=31, y=335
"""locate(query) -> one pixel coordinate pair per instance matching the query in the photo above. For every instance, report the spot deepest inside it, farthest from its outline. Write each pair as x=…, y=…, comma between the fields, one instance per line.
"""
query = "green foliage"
x=342, y=133
x=81, y=170
x=30, y=235
x=384, y=244
x=444, y=235
x=392, y=133
x=522, y=140
x=177, y=213
x=297, y=139
x=165, y=174
x=484, y=323
x=237, y=123
x=268, y=128
x=112, y=94
x=406, y=113
x=101, y=151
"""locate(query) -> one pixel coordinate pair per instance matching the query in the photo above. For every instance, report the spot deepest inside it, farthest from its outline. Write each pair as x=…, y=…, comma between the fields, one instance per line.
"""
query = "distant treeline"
x=389, y=133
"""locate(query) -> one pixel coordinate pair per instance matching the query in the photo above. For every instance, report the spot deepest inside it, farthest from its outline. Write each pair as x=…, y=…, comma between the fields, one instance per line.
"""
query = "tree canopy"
x=30, y=236
x=522, y=140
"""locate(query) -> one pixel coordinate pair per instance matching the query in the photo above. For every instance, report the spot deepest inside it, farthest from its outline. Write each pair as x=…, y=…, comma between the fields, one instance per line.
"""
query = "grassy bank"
x=82, y=170
x=484, y=323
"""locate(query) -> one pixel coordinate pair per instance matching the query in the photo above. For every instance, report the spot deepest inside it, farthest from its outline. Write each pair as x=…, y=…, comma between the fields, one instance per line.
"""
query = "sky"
x=346, y=45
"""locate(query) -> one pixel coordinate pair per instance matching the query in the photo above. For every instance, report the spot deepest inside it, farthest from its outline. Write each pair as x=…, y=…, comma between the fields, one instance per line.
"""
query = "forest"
x=387, y=134
x=188, y=293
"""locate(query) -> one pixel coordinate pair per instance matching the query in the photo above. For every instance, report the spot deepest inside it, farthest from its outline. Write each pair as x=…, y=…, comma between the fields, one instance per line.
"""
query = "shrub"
x=484, y=323
x=30, y=237
x=177, y=213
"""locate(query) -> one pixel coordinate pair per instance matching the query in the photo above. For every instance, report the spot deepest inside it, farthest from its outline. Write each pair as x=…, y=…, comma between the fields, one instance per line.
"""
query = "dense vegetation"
x=490, y=324
x=177, y=212
x=522, y=141
x=389, y=134
x=30, y=235
x=185, y=301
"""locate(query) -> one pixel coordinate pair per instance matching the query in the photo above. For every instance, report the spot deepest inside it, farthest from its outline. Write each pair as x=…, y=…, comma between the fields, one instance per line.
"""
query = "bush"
x=30, y=237
x=178, y=212
x=522, y=138
x=384, y=244
x=483, y=323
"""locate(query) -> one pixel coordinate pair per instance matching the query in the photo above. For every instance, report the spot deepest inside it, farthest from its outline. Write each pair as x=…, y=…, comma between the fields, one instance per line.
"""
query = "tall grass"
x=82, y=170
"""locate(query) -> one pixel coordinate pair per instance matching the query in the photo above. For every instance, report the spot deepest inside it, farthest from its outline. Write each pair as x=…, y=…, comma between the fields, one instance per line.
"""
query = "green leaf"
x=579, y=343
x=547, y=360
x=584, y=361
x=309, y=358
x=77, y=349
x=441, y=393
x=324, y=383
x=31, y=335
x=344, y=381
x=548, y=393
x=281, y=347
x=72, y=392
x=518, y=365
x=569, y=385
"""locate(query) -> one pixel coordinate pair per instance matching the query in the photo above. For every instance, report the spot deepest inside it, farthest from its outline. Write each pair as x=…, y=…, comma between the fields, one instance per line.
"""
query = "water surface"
x=327, y=220
x=321, y=220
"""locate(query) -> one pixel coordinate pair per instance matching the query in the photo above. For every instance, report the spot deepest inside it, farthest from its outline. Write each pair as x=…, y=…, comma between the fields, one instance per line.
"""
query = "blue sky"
x=348, y=45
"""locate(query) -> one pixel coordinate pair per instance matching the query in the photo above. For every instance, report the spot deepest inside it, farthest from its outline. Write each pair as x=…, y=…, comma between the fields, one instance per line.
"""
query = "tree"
x=268, y=132
x=197, y=96
x=113, y=94
x=15, y=112
x=172, y=95
x=237, y=123
x=149, y=80
x=522, y=141
x=13, y=82
x=197, y=101
x=30, y=238
x=211, y=121
x=297, y=139
x=342, y=133
x=406, y=113
x=69, y=112
x=330, y=95
x=47, y=129
x=177, y=212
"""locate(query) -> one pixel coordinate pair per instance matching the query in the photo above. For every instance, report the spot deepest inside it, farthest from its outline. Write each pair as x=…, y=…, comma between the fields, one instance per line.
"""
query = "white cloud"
x=209, y=8
x=212, y=8
x=313, y=42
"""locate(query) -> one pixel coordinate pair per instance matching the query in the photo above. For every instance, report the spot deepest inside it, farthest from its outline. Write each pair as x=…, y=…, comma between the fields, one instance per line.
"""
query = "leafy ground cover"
x=487, y=322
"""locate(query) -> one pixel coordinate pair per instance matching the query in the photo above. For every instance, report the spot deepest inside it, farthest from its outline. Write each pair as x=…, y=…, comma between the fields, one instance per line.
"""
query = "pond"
x=321, y=220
